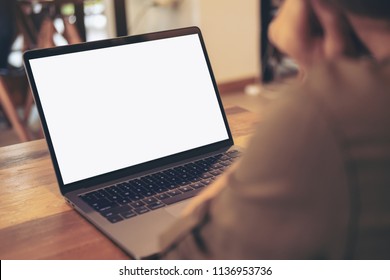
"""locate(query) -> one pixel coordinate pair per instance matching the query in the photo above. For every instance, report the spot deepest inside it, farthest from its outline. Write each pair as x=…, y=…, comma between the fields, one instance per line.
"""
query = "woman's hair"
x=370, y=8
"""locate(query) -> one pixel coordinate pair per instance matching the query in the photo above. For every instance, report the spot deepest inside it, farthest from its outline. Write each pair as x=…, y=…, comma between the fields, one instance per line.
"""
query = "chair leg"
x=10, y=112
x=45, y=35
x=28, y=105
x=70, y=32
x=27, y=112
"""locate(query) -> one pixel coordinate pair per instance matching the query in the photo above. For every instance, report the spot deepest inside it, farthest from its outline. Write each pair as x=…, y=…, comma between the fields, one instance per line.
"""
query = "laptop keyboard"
x=138, y=196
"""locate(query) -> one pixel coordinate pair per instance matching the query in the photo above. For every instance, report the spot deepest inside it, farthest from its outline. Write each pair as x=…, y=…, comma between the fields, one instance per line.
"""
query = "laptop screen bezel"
x=128, y=171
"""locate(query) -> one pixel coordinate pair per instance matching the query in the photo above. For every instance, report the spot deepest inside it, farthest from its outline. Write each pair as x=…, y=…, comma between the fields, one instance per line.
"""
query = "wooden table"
x=35, y=221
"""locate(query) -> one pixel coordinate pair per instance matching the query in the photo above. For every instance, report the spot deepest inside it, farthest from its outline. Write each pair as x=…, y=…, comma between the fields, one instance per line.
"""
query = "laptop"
x=135, y=128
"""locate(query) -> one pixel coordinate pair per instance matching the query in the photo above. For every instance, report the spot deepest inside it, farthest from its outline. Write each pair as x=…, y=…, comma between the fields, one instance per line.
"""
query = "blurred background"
x=241, y=56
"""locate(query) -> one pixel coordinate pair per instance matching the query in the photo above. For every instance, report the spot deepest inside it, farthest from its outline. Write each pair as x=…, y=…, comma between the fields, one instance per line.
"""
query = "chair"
x=7, y=18
x=33, y=37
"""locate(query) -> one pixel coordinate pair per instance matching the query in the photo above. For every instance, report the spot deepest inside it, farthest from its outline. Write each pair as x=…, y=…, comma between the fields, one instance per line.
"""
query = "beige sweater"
x=314, y=182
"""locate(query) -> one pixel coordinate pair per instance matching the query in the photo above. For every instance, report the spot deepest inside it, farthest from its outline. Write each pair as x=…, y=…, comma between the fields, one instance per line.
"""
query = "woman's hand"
x=310, y=30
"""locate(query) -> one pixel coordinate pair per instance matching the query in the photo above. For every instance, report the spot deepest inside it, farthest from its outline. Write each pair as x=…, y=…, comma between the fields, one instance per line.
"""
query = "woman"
x=314, y=181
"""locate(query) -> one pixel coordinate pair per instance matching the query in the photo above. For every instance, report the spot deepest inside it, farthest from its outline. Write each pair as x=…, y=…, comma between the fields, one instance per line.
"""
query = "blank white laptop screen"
x=116, y=107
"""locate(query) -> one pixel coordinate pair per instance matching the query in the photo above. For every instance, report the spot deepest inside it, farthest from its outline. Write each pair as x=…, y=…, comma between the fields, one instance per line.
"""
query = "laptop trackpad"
x=176, y=209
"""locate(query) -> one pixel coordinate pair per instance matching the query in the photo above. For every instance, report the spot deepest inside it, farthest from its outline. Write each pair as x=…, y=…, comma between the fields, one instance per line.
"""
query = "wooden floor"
x=252, y=103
